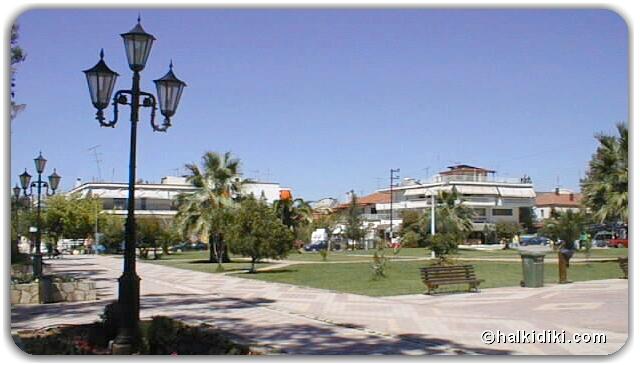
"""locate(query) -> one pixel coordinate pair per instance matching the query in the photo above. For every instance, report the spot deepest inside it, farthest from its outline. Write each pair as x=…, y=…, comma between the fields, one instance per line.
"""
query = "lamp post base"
x=123, y=344
x=127, y=340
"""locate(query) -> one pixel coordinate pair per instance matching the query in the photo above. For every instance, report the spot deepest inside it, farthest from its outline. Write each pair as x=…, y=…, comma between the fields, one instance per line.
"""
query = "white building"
x=159, y=199
x=558, y=201
x=493, y=199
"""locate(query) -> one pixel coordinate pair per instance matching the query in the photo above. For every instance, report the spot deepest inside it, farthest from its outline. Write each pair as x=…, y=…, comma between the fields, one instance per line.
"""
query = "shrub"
x=506, y=231
x=110, y=319
x=411, y=239
x=443, y=244
x=167, y=336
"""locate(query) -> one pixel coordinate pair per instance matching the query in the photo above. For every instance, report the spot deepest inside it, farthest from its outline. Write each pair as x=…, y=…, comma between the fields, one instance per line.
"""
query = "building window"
x=502, y=212
x=480, y=212
x=119, y=204
x=373, y=210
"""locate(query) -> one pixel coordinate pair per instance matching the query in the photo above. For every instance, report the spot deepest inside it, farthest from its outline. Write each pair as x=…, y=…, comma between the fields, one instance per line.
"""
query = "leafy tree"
x=605, y=188
x=70, y=216
x=353, y=221
x=257, y=232
x=507, y=230
x=489, y=233
x=205, y=212
x=21, y=219
x=112, y=230
x=526, y=219
x=412, y=233
x=17, y=55
x=148, y=231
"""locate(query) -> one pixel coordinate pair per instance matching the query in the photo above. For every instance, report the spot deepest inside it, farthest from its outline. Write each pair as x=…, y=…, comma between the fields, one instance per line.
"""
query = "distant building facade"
x=560, y=200
x=493, y=200
x=159, y=199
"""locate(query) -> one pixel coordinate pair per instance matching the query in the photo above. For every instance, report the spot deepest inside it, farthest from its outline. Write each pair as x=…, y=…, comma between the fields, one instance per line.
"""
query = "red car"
x=618, y=242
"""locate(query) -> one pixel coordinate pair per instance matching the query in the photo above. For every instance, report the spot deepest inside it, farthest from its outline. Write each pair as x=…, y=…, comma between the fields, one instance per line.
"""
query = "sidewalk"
x=300, y=320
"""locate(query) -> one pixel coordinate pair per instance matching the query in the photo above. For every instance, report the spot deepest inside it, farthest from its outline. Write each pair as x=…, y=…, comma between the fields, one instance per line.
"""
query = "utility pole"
x=433, y=212
x=392, y=178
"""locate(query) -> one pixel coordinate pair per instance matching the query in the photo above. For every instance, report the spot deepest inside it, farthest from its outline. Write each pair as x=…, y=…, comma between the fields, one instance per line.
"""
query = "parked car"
x=535, y=241
x=601, y=239
x=618, y=242
x=320, y=245
x=188, y=246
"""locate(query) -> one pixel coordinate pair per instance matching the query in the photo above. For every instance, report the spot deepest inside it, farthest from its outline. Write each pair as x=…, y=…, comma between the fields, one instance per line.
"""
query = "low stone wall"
x=25, y=293
x=74, y=291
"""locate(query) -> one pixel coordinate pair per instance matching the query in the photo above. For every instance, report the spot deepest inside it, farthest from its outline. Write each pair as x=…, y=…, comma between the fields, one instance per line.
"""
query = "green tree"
x=443, y=244
x=70, y=216
x=507, y=230
x=148, y=231
x=412, y=229
x=17, y=56
x=21, y=219
x=257, y=232
x=605, y=188
x=353, y=221
x=452, y=217
x=205, y=212
x=526, y=219
x=296, y=214
x=112, y=230
x=566, y=227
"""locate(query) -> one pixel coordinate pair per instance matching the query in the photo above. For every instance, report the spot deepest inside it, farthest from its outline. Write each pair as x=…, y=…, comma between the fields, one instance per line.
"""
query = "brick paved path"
x=301, y=320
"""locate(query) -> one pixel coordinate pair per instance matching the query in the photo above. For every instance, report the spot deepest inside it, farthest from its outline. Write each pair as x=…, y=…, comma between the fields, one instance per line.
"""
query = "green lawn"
x=200, y=265
x=405, y=252
x=404, y=277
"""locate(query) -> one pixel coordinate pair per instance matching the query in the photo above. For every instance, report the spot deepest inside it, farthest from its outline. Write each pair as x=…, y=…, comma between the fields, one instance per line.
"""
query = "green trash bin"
x=532, y=269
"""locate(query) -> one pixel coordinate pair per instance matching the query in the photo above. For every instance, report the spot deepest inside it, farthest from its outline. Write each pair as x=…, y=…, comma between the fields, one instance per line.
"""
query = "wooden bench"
x=624, y=265
x=434, y=276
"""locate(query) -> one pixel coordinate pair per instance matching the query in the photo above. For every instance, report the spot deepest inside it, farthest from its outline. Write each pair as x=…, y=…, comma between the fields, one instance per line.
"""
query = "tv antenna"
x=96, y=156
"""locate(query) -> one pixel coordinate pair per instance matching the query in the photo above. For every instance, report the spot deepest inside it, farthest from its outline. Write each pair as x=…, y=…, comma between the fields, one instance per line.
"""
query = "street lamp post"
x=101, y=81
x=25, y=181
x=16, y=202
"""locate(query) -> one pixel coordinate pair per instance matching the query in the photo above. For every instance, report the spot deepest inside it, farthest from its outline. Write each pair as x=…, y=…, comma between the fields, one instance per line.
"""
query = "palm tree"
x=565, y=226
x=205, y=211
x=605, y=188
x=452, y=217
x=293, y=212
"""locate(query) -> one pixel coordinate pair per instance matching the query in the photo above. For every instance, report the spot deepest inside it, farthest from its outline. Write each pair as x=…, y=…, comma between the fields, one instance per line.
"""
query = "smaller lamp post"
x=25, y=181
x=16, y=207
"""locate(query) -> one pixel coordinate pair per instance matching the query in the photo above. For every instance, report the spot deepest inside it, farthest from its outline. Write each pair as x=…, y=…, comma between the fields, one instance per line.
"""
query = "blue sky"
x=325, y=101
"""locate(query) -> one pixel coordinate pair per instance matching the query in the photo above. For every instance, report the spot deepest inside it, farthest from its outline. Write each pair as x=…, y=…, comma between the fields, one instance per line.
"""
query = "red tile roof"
x=559, y=200
x=375, y=198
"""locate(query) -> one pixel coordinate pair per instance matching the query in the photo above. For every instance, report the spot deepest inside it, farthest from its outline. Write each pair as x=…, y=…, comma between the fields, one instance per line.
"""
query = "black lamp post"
x=25, y=181
x=101, y=80
x=16, y=207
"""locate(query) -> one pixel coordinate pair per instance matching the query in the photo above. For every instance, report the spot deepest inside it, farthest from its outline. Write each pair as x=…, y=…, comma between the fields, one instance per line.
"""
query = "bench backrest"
x=451, y=273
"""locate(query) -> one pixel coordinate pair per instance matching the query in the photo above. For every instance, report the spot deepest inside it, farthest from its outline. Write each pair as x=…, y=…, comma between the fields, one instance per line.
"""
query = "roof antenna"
x=138, y=17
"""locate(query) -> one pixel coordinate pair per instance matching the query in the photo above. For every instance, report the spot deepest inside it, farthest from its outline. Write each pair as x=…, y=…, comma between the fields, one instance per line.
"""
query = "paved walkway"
x=300, y=320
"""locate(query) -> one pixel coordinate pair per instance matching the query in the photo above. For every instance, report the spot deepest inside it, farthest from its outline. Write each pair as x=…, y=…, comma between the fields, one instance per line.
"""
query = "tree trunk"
x=212, y=248
x=219, y=252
